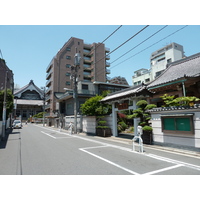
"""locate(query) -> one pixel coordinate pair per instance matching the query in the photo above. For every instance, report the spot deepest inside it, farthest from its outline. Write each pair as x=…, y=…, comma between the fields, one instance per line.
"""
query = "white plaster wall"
x=180, y=139
x=89, y=124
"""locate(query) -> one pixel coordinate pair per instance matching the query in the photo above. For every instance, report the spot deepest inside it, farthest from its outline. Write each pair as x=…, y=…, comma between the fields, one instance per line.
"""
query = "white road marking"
x=165, y=159
x=162, y=170
x=48, y=134
x=110, y=162
x=197, y=167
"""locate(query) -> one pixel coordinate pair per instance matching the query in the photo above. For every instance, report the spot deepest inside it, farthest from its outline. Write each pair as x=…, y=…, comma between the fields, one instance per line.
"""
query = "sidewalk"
x=123, y=138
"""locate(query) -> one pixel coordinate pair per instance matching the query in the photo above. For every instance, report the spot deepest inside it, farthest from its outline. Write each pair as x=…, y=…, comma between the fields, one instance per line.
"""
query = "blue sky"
x=28, y=49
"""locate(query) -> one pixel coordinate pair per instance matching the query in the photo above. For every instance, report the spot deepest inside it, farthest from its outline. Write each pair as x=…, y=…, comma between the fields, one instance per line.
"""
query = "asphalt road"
x=37, y=150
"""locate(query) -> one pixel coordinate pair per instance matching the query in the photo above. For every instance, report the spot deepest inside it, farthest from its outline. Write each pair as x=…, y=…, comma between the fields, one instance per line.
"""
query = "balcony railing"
x=108, y=57
x=47, y=91
x=47, y=76
x=107, y=49
x=86, y=92
x=107, y=64
x=107, y=71
x=48, y=82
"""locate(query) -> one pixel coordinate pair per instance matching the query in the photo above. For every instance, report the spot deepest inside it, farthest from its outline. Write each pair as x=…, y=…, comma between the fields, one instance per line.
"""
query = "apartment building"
x=93, y=67
x=158, y=62
x=10, y=80
x=119, y=80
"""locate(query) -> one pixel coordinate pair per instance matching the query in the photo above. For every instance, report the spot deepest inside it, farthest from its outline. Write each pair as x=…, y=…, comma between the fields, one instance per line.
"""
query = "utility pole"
x=74, y=70
x=44, y=99
x=4, y=108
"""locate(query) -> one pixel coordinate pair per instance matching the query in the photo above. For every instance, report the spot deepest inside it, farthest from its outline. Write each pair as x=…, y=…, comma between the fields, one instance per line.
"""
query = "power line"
x=150, y=46
x=105, y=39
x=128, y=39
x=140, y=43
x=123, y=43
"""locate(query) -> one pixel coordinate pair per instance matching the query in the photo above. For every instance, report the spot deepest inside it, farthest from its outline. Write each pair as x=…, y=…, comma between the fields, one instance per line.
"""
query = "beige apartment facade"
x=93, y=67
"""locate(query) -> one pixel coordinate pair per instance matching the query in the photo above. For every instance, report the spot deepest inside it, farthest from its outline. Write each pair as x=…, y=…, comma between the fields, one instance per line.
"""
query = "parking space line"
x=48, y=134
x=110, y=162
x=196, y=167
x=165, y=159
x=164, y=169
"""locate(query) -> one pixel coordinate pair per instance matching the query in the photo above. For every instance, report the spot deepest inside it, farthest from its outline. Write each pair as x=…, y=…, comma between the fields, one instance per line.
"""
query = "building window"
x=159, y=73
x=147, y=80
x=68, y=74
x=67, y=83
x=177, y=124
x=68, y=65
x=68, y=49
x=169, y=60
x=84, y=87
x=68, y=57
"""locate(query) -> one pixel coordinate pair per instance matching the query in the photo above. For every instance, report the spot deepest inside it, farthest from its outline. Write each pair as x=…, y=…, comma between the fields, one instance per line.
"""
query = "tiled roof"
x=124, y=93
x=26, y=86
x=187, y=67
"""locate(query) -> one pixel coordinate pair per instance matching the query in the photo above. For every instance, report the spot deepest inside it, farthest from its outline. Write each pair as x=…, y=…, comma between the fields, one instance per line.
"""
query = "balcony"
x=87, y=45
x=48, y=83
x=49, y=74
x=107, y=71
x=48, y=90
x=107, y=50
x=47, y=106
x=89, y=92
x=50, y=65
x=47, y=98
x=107, y=57
x=86, y=52
x=107, y=64
x=108, y=78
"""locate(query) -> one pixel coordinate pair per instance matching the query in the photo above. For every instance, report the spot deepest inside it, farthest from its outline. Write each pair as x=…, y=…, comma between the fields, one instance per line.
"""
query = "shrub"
x=147, y=128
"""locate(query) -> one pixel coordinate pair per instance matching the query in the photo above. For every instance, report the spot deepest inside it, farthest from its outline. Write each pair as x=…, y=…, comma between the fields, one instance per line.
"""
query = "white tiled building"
x=158, y=62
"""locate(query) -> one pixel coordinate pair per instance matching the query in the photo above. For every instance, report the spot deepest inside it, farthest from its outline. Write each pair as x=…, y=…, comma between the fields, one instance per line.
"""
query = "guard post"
x=138, y=137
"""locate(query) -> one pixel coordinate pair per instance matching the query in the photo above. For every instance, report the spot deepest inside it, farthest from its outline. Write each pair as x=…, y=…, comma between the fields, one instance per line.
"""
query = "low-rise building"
x=119, y=80
x=28, y=100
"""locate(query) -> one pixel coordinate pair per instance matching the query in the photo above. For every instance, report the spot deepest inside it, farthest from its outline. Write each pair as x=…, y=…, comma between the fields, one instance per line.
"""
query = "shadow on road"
x=3, y=143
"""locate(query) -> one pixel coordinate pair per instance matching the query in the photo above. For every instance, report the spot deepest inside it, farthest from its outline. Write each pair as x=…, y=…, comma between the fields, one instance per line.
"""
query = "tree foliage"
x=179, y=101
x=9, y=103
x=142, y=112
x=39, y=115
x=93, y=107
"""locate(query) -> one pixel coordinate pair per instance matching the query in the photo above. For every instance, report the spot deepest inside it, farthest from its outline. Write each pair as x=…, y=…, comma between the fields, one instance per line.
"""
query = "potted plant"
x=101, y=129
x=144, y=116
x=147, y=135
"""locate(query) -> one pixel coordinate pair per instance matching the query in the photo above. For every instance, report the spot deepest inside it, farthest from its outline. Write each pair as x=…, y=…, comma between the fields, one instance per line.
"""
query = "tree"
x=39, y=115
x=142, y=112
x=179, y=101
x=93, y=107
x=9, y=103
